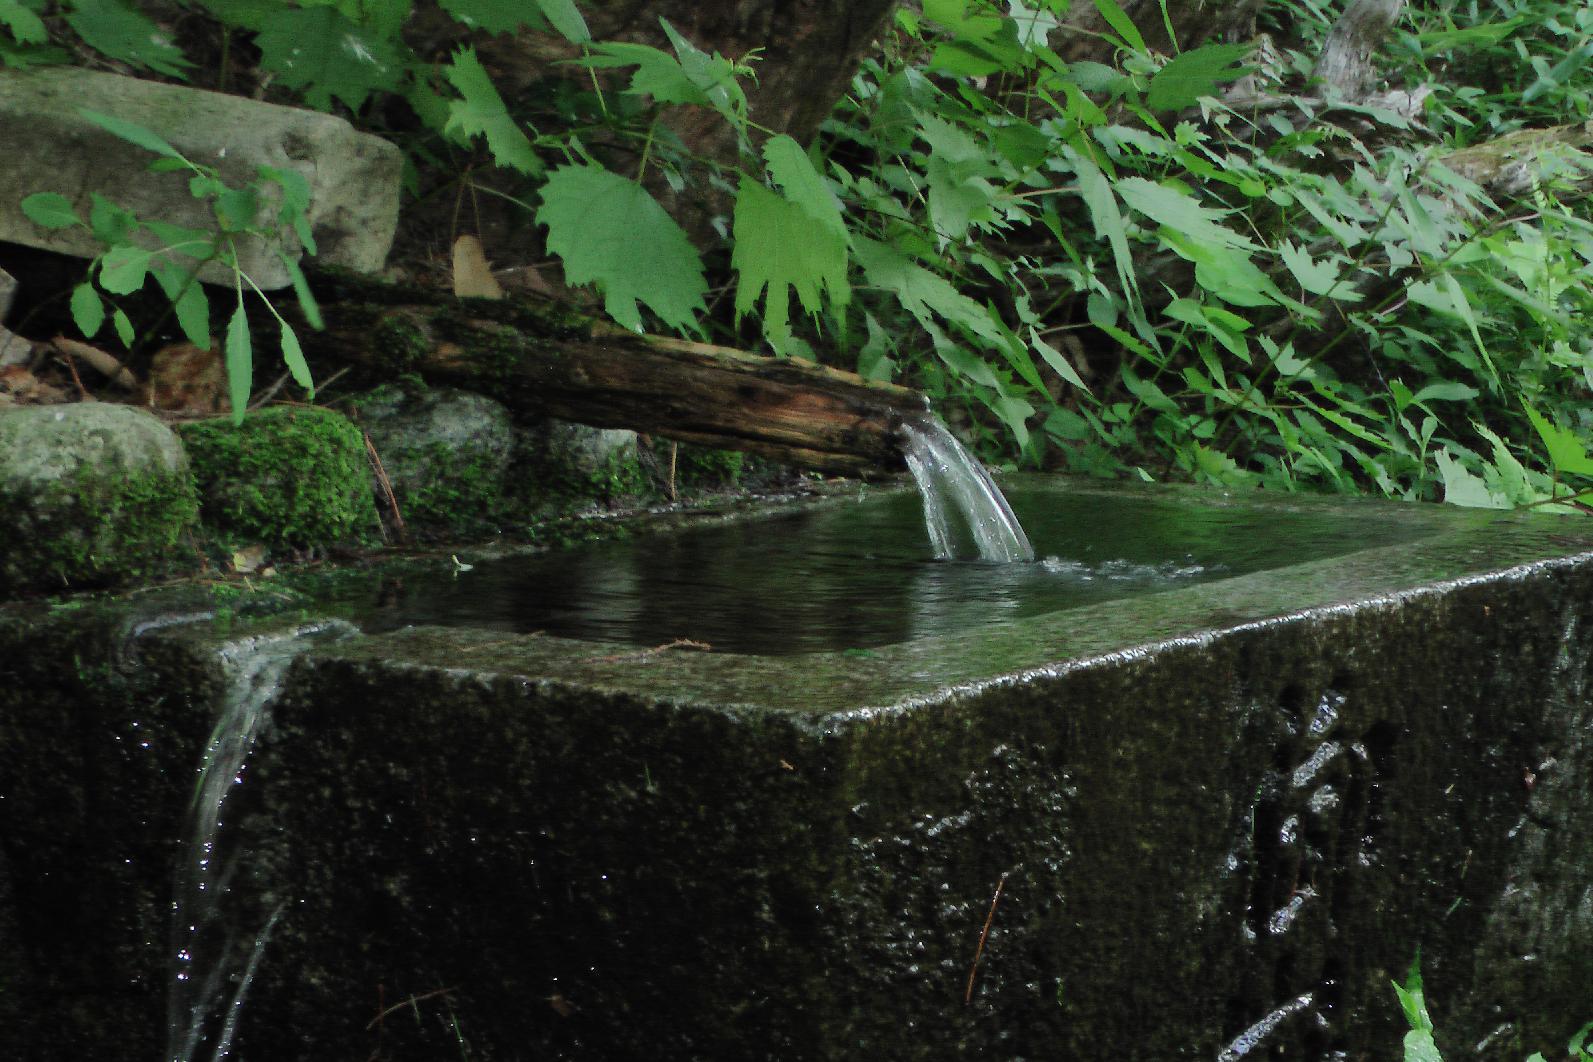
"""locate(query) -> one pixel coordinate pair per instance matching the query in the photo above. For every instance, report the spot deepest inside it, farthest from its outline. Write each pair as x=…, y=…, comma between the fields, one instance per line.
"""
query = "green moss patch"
x=292, y=476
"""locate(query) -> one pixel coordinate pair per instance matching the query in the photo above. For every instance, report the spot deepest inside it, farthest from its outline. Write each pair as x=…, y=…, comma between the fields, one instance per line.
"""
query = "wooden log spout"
x=554, y=363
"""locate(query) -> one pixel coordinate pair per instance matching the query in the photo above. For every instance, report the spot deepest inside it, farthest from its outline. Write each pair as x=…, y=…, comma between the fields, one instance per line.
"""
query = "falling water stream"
x=220, y=925
x=956, y=488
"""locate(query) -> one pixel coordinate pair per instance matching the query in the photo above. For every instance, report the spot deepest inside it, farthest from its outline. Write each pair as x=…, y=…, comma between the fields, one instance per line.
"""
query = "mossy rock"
x=90, y=494
x=564, y=467
x=446, y=453
x=288, y=476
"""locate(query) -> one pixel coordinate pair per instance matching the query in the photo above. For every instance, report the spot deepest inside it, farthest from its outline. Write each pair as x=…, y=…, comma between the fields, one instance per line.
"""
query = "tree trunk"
x=554, y=363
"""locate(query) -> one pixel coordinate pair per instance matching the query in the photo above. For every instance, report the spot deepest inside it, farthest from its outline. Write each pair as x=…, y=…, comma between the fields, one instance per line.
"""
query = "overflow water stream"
x=221, y=920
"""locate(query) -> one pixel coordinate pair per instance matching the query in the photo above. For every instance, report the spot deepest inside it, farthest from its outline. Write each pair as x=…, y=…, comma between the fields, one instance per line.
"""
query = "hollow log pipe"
x=551, y=362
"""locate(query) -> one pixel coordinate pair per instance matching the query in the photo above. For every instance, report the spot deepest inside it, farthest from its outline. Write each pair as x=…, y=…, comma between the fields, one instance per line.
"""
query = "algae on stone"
x=445, y=452
x=288, y=476
x=90, y=494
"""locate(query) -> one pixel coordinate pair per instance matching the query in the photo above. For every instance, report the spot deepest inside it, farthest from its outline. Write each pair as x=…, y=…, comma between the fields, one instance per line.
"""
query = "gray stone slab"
x=51, y=147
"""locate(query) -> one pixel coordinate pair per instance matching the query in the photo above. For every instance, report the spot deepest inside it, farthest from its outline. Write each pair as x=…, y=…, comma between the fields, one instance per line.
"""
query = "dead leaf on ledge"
x=184, y=378
x=473, y=277
x=248, y=559
x=24, y=388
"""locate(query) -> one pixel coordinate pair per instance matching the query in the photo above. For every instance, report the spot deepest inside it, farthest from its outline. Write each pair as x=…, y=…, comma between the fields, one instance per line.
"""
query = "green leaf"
x=88, y=310
x=924, y=294
x=324, y=55
x=124, y=327
x=1445, y=391
x=658, y=74
x=50, y=210
x=123, y=269
x=111, y=224
x=792, y=170
x=781, y=249
x=188, y=300
x=131, y=132
x=609, y=231
x=240, y=362
x=301, y=291
x=295, y=202
x=1194, y=74
x=1420, y=1047
x=493, y=16
x=1316, y=277
x=293, y=357
x=26, y=27
x=1059, y=364
x=481, y=112
x=566, y=18
x=1118, y=19
x=121, y=32
x=237, y=208
x=1463, y=488
x=1566, y=451
x=1178, y=210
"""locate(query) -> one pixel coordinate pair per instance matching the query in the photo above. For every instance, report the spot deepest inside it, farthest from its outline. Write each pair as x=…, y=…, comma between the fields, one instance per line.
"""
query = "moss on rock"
x=293, y=476
x=90, y=494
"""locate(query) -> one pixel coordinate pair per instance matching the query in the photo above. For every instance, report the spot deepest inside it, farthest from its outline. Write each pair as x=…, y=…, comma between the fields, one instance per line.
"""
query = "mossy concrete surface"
x=288, y=476
x=1220, y=816
x=90, y=494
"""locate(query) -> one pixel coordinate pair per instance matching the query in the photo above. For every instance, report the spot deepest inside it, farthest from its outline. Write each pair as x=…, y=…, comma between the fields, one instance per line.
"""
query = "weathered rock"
x=288, y=476
x=446, y=453
x=90, y=494
x=564, y=463
x=353, y=177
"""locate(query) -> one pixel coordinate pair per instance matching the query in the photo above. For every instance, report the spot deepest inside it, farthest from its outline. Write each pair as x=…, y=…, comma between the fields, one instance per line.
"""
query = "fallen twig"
x=386, y=485
x=643, y=654
x=105, y=364
x=967, y=997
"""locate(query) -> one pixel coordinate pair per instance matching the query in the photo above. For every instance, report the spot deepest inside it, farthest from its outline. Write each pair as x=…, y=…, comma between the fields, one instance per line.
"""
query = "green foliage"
x=289, y=476
x=1278, y=296
x=138, y=250
x=1419, y=1044
x=610, y=231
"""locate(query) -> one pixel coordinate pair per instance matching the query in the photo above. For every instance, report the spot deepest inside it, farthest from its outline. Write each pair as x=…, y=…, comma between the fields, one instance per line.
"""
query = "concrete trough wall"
x=1222, y=840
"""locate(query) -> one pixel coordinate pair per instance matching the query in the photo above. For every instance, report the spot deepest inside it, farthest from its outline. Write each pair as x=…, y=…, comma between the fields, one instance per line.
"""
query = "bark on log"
x=554, y=363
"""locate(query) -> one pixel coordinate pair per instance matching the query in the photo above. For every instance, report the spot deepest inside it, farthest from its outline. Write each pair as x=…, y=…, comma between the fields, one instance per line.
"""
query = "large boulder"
x=90, y=494
x=353, y=177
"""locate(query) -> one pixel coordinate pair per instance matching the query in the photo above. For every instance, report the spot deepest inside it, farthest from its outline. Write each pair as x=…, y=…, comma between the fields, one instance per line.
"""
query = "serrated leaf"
x=324, y=55
x=25, y=26
x=481, y=112
x=1179, y=211
x=293, y=358
x=658, y=74
x=779, y=248
x=188, y=301
x=493, y=16
x=1118, y=19
x=566, y=18
x=1464, y=488
x=1059, y=364
x=237, y=208
x=1566, y=451
x=131, y=132
x=110, y=223
x=1194, y=74
x=240, y=363
x=609, y=231
x=121, y=32
x=1316, y=277
x=88, y=309
x=50, y=210
x=923, y=293
x=123, y=269
x=792, y=170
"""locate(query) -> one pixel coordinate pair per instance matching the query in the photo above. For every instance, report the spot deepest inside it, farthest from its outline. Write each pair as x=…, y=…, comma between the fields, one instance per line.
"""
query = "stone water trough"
x=1211, y=816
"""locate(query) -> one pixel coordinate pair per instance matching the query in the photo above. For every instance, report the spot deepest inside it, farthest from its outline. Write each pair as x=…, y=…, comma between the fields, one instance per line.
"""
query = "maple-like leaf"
x=324, y=55
x=609, y=231
x=480, y=111
x=781, y=248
